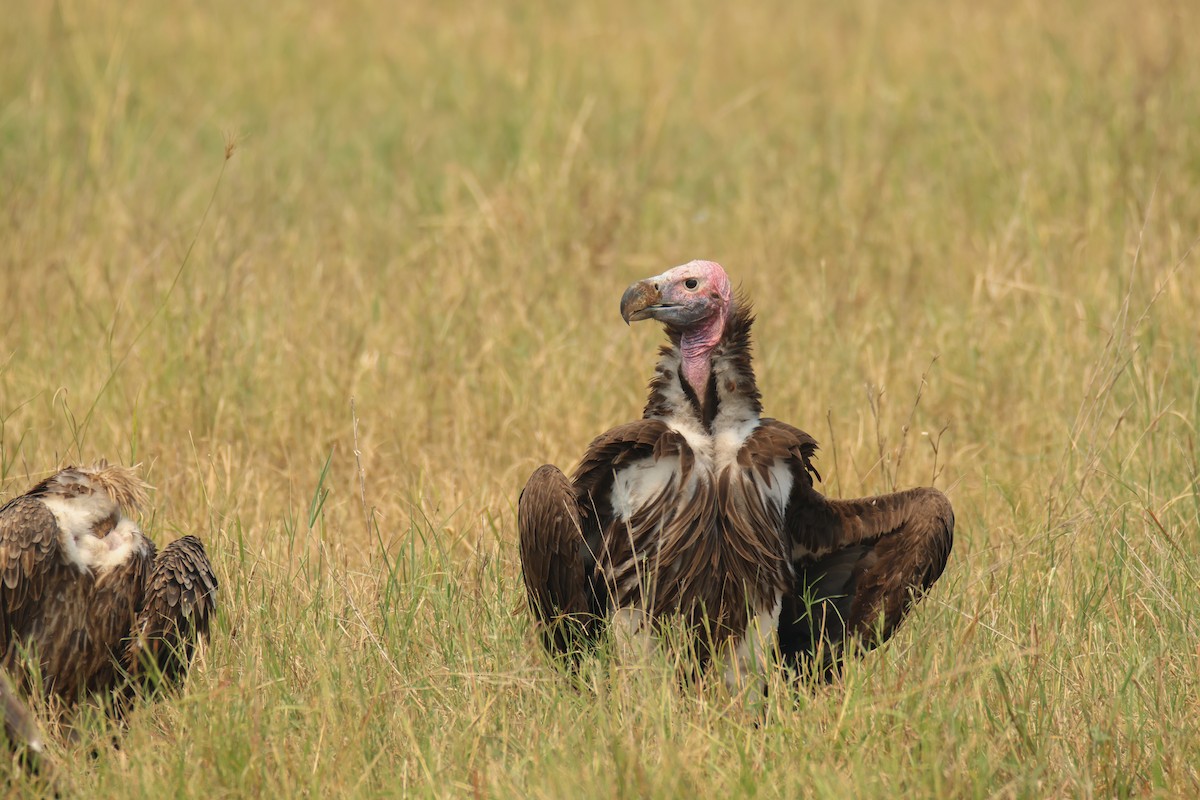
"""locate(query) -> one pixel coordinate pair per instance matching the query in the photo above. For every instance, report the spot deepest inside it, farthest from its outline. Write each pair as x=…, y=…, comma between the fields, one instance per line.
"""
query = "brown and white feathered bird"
x=86, y=602
x=705, y=509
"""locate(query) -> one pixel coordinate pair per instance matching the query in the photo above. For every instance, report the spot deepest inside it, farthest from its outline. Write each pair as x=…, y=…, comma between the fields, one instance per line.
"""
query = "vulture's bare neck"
x=729, y=393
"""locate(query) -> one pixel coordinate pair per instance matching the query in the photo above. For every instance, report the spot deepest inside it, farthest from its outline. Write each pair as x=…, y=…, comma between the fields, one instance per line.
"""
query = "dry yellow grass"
x=432, y=210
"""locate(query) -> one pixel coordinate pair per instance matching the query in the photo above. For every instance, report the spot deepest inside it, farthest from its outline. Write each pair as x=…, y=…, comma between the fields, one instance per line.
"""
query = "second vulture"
x=88, y=606
x=706, y=510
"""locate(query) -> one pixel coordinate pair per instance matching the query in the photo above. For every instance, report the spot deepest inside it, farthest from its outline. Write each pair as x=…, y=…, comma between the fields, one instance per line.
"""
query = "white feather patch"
x=779, y=488
x=737, y=416
x=113, y=550
x=640, y=482
x=77, y=519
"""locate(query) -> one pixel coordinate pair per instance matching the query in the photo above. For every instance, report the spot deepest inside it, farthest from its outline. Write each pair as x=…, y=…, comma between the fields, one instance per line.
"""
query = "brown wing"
x=593, y=481
x=561, y=525
x=859, y=566
x=554, y=560
x=28, y=553
x=773, y=441
x=176, y=611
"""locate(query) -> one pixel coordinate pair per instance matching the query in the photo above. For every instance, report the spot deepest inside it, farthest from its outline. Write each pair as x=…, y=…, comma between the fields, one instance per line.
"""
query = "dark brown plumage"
x=557, y=559
x=706, y=510
x=859, y=566
x=87, y=605
x=176, y=608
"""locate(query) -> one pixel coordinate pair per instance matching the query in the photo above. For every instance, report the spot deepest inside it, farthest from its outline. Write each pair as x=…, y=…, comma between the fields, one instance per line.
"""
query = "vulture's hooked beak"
x=641, y=301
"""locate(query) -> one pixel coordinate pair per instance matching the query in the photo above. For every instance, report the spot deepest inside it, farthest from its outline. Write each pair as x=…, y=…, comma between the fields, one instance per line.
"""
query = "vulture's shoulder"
x=621, y=445
x=28, y=536
x=773, y=440
x=28, y=550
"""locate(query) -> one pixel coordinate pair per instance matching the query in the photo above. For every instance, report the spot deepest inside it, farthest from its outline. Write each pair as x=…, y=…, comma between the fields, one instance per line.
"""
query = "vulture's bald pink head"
x=693, y=299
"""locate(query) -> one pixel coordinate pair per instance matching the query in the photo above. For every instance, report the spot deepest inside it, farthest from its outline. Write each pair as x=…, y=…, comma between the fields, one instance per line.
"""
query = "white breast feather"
x=696, y=438
x=640, y=482
x=780, y=487
x=728, y=441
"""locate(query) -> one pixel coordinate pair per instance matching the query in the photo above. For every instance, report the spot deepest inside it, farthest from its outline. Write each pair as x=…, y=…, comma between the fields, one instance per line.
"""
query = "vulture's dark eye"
x=691, y=283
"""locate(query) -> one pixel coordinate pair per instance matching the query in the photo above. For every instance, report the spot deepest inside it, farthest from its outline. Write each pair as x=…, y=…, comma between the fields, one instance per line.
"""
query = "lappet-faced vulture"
x=706, y=510
x=87, y=604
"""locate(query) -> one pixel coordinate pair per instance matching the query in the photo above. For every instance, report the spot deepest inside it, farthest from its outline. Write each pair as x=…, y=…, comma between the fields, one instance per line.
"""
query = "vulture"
x=88, y=606
x=706, y=511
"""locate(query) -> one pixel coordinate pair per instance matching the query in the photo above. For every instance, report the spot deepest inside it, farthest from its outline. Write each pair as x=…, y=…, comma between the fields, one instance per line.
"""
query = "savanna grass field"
x=339, y=277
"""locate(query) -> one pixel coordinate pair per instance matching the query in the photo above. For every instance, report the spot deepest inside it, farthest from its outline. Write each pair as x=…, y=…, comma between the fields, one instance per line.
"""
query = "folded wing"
x=28, y=549
x=176, y=612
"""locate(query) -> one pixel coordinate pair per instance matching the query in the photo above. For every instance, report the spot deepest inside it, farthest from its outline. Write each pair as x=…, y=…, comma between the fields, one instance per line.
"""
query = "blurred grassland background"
x=967, y=231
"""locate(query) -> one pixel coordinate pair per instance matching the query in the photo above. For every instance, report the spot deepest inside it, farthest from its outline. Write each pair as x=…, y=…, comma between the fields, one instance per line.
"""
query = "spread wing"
x=859, y=564
x=561, y=524
x=176, y=611
x=28, y=553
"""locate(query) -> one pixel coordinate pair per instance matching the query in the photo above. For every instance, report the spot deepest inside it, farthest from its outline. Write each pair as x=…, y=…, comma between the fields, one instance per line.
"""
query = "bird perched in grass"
x=88, y=605
x=705, y=509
